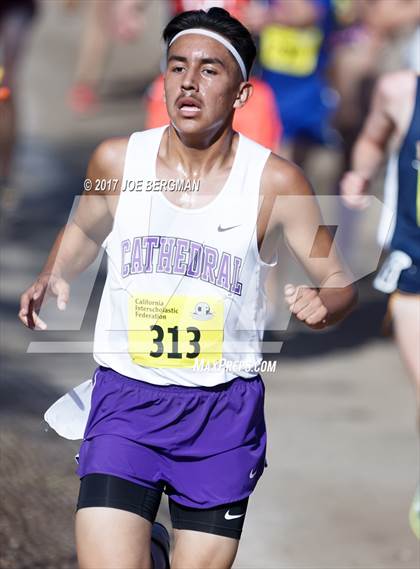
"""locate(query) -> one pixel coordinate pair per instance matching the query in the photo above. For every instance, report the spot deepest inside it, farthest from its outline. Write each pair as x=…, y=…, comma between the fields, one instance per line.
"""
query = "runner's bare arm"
x=297, y=211
x=370, y=147
x=78, y=243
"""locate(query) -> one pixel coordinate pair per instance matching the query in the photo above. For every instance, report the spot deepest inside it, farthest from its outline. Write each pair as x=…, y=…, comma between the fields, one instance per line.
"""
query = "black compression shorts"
x=105, y=490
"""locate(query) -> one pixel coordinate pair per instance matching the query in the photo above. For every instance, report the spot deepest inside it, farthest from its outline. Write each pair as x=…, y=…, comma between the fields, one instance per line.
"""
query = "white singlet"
x=184, y=289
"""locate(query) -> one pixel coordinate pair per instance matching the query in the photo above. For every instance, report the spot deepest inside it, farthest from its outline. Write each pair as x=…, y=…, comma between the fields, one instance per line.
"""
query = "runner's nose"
x=189, y=81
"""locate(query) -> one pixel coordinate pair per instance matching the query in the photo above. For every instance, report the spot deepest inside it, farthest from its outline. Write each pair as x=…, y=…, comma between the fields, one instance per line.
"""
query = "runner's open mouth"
x=189, y=104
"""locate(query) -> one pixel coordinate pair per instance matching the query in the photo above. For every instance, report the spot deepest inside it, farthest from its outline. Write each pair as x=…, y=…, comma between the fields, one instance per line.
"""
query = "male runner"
x=394, y=123
x=184, y=287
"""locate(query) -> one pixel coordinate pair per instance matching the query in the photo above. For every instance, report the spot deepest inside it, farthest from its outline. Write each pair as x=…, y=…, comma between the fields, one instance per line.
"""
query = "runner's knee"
x=195, y=549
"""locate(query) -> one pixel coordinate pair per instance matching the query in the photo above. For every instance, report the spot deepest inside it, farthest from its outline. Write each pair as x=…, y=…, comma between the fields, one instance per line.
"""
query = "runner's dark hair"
x=220, y=21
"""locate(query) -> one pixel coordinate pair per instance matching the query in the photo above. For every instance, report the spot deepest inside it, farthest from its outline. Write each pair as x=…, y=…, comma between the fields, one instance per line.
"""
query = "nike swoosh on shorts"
x=232, y=516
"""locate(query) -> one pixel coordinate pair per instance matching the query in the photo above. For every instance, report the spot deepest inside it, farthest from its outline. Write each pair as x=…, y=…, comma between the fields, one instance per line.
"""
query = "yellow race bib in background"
x=289, y=50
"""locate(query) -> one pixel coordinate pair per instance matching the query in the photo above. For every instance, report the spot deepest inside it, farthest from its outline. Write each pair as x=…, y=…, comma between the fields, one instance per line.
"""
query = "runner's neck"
x=190, y=161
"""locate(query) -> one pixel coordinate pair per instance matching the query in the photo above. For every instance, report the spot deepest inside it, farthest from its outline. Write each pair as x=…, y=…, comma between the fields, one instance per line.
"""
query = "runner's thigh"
x=207, y=538
x=109, y=538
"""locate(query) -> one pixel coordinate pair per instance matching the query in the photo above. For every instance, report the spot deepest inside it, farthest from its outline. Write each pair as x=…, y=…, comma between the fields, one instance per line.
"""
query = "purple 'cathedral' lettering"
x=236, y=286
x=196, y=257
x=149, y=243
x=210, y=259
x=180, y=261
x=173, y=255
x=166, y=253
x=136, y=257
x=125, y=248
x=223, y=276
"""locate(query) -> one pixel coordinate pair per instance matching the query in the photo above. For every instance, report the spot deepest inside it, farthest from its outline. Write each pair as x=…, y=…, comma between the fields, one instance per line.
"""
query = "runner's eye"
x=177, y=69
x=209, y=71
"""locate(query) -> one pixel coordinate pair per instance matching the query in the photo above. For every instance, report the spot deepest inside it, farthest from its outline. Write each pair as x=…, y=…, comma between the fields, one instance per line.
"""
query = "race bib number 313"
x=175, y=331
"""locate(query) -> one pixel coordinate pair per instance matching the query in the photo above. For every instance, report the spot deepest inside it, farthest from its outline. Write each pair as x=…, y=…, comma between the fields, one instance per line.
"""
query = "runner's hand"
x=306, y=304
x=353, y=187
x=46, y=285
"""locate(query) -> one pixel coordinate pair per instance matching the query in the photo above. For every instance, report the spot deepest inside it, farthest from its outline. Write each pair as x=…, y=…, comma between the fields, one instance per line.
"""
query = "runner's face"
x=201, y=84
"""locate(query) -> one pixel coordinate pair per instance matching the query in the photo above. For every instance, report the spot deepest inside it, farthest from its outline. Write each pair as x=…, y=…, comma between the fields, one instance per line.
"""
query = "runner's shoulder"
x=395, y=85
x=107, y=161
x=284, y=178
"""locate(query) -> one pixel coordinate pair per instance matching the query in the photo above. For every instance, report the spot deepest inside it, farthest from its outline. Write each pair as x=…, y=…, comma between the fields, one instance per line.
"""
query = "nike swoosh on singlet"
x=220, y=228
x=232, y=516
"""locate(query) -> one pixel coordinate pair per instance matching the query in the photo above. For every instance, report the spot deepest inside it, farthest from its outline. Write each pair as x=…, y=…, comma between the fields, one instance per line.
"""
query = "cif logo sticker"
x=202, y=311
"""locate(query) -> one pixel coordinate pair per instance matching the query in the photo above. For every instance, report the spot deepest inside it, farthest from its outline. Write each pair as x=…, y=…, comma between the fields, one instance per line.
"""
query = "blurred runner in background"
x=294, y=54
x=106, y=22
x=374, y=37
x=394, y=123
x=369, y=31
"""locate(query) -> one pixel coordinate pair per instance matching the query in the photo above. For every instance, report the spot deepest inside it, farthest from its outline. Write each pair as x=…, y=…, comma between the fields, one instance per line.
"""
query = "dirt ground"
x=343, y=457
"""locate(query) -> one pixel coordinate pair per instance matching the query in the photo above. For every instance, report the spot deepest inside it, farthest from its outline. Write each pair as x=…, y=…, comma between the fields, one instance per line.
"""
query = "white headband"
x=218, y=38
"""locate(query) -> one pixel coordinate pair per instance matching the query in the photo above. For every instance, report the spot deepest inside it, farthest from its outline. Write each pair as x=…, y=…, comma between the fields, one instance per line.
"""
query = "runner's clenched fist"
x=306, y=304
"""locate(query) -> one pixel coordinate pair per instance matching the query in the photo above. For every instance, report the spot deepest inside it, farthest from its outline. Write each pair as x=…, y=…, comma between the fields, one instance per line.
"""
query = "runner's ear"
x=245, y=91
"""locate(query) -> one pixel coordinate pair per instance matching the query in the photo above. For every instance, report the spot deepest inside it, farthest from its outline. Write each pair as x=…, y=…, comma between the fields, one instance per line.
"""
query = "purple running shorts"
x=202, y=446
